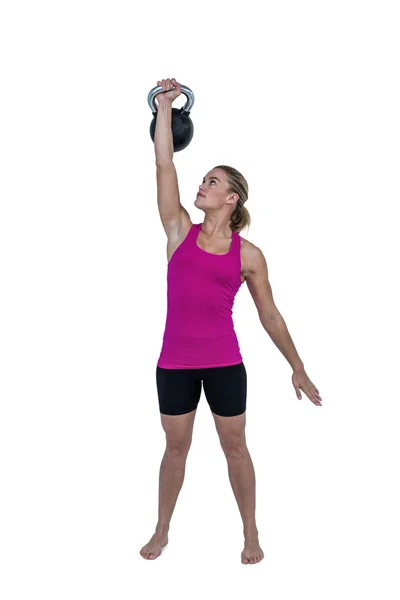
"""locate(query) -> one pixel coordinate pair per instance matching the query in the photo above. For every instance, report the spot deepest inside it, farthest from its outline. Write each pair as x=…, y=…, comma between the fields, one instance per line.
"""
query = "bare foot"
x=153, y=548
x=252, y=552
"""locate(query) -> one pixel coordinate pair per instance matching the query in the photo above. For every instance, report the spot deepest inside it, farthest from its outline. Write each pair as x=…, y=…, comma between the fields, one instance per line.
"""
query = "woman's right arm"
x=171, y=210
x=163, y=143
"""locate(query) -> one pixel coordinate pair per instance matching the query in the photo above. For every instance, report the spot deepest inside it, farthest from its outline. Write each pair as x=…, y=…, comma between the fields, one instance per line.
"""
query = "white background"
x=303, y=99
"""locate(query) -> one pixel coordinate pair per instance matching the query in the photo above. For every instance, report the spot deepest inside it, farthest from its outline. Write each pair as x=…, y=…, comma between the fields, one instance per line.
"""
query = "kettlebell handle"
x=158, y=90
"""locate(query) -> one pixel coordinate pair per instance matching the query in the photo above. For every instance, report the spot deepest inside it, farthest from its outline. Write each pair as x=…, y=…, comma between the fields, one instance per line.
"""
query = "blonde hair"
x=240, y=217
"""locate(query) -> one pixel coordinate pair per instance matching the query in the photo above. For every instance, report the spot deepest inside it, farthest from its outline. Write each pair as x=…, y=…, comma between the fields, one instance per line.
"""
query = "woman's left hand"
x=301, y=381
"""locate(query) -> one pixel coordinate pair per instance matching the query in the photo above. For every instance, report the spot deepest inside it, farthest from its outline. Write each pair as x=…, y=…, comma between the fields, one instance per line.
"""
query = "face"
x=213, y=191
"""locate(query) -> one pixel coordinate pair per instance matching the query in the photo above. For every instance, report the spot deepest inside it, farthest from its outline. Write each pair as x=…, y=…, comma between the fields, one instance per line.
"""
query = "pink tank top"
x=201, y=289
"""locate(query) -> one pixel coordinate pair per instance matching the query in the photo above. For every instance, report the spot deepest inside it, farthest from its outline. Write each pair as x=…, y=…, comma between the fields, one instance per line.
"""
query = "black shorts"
x=225, y=389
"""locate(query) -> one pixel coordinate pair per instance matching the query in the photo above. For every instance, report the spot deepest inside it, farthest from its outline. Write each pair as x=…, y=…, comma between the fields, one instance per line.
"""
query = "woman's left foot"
x=252, y=552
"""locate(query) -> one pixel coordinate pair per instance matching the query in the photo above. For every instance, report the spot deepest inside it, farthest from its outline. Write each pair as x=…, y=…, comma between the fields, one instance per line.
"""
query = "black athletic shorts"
x=225, y=389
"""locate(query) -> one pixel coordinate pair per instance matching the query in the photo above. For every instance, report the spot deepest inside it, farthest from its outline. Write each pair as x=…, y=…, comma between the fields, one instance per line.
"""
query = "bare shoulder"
x=252, y=257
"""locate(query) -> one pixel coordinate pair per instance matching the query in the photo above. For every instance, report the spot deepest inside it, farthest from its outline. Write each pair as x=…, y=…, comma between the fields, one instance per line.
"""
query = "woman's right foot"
x=153, y=548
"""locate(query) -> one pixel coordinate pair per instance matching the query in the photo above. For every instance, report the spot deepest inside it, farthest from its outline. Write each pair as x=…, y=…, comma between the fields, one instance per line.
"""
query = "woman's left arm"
x=273, y=322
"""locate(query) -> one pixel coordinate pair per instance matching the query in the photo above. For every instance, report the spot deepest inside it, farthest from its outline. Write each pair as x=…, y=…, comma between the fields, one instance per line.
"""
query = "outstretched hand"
x=301, y=381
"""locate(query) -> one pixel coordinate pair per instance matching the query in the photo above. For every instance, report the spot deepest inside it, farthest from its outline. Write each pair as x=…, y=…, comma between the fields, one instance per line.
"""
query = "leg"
x=231, y=431
x=226, y=393
x=179, y=392
x=178, y=430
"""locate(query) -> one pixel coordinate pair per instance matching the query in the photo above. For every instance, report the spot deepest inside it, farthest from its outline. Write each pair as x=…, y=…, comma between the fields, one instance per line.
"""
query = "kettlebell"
x=182, y=126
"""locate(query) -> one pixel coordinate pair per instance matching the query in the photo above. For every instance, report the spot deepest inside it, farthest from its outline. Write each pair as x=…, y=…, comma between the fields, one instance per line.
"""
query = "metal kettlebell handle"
x=158, y=89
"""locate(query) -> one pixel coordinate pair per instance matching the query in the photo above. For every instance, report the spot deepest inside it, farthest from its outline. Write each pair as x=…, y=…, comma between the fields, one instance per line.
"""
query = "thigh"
x=225, y=389
x=178, y=430
x=179, y=390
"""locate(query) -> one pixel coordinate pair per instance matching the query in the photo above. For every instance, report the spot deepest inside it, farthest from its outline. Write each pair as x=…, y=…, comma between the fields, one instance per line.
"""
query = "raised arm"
x=174, y=216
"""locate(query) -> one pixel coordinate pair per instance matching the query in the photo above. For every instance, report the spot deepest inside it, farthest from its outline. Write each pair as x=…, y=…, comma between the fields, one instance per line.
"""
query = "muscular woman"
x=207, y=264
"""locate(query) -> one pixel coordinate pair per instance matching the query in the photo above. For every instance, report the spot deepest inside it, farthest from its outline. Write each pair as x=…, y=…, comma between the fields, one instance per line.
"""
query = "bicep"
x=168, y=198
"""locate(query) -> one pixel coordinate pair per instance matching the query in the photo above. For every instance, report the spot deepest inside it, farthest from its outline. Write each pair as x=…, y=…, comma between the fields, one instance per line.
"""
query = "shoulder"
x=252, y=256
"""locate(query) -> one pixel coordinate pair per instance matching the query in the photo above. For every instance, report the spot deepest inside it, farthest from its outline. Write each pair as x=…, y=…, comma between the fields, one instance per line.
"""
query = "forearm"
x=163, y=142
x=279, y=334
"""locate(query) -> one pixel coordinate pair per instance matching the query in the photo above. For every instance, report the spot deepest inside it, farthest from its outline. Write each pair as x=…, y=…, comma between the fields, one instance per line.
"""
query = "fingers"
x=316, y=394
x=309, y=389
x=311, y=394
x=314, y=397
x=168, y=84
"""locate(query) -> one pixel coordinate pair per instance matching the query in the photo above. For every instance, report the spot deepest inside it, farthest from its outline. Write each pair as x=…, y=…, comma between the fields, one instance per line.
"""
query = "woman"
x=208, y=262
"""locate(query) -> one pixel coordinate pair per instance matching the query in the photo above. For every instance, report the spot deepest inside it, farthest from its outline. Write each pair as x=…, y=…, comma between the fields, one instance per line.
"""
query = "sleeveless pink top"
x=199, y=331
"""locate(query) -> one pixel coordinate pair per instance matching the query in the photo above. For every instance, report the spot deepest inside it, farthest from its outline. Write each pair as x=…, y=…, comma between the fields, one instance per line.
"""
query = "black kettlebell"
x=182, y=126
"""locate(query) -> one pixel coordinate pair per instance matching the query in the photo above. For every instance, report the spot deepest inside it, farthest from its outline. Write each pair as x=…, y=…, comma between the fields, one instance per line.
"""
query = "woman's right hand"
x=168, y=96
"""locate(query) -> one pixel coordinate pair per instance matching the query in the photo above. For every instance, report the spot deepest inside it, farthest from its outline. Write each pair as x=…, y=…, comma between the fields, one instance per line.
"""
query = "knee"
x=234, y=447
x=177, y=446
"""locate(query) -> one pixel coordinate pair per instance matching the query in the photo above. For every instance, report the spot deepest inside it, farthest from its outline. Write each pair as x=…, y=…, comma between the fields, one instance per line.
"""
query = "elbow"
x=270, y=316
x=164, y=161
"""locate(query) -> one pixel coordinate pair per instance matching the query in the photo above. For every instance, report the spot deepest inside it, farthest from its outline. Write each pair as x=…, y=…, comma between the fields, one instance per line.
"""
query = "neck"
x=213, y=227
